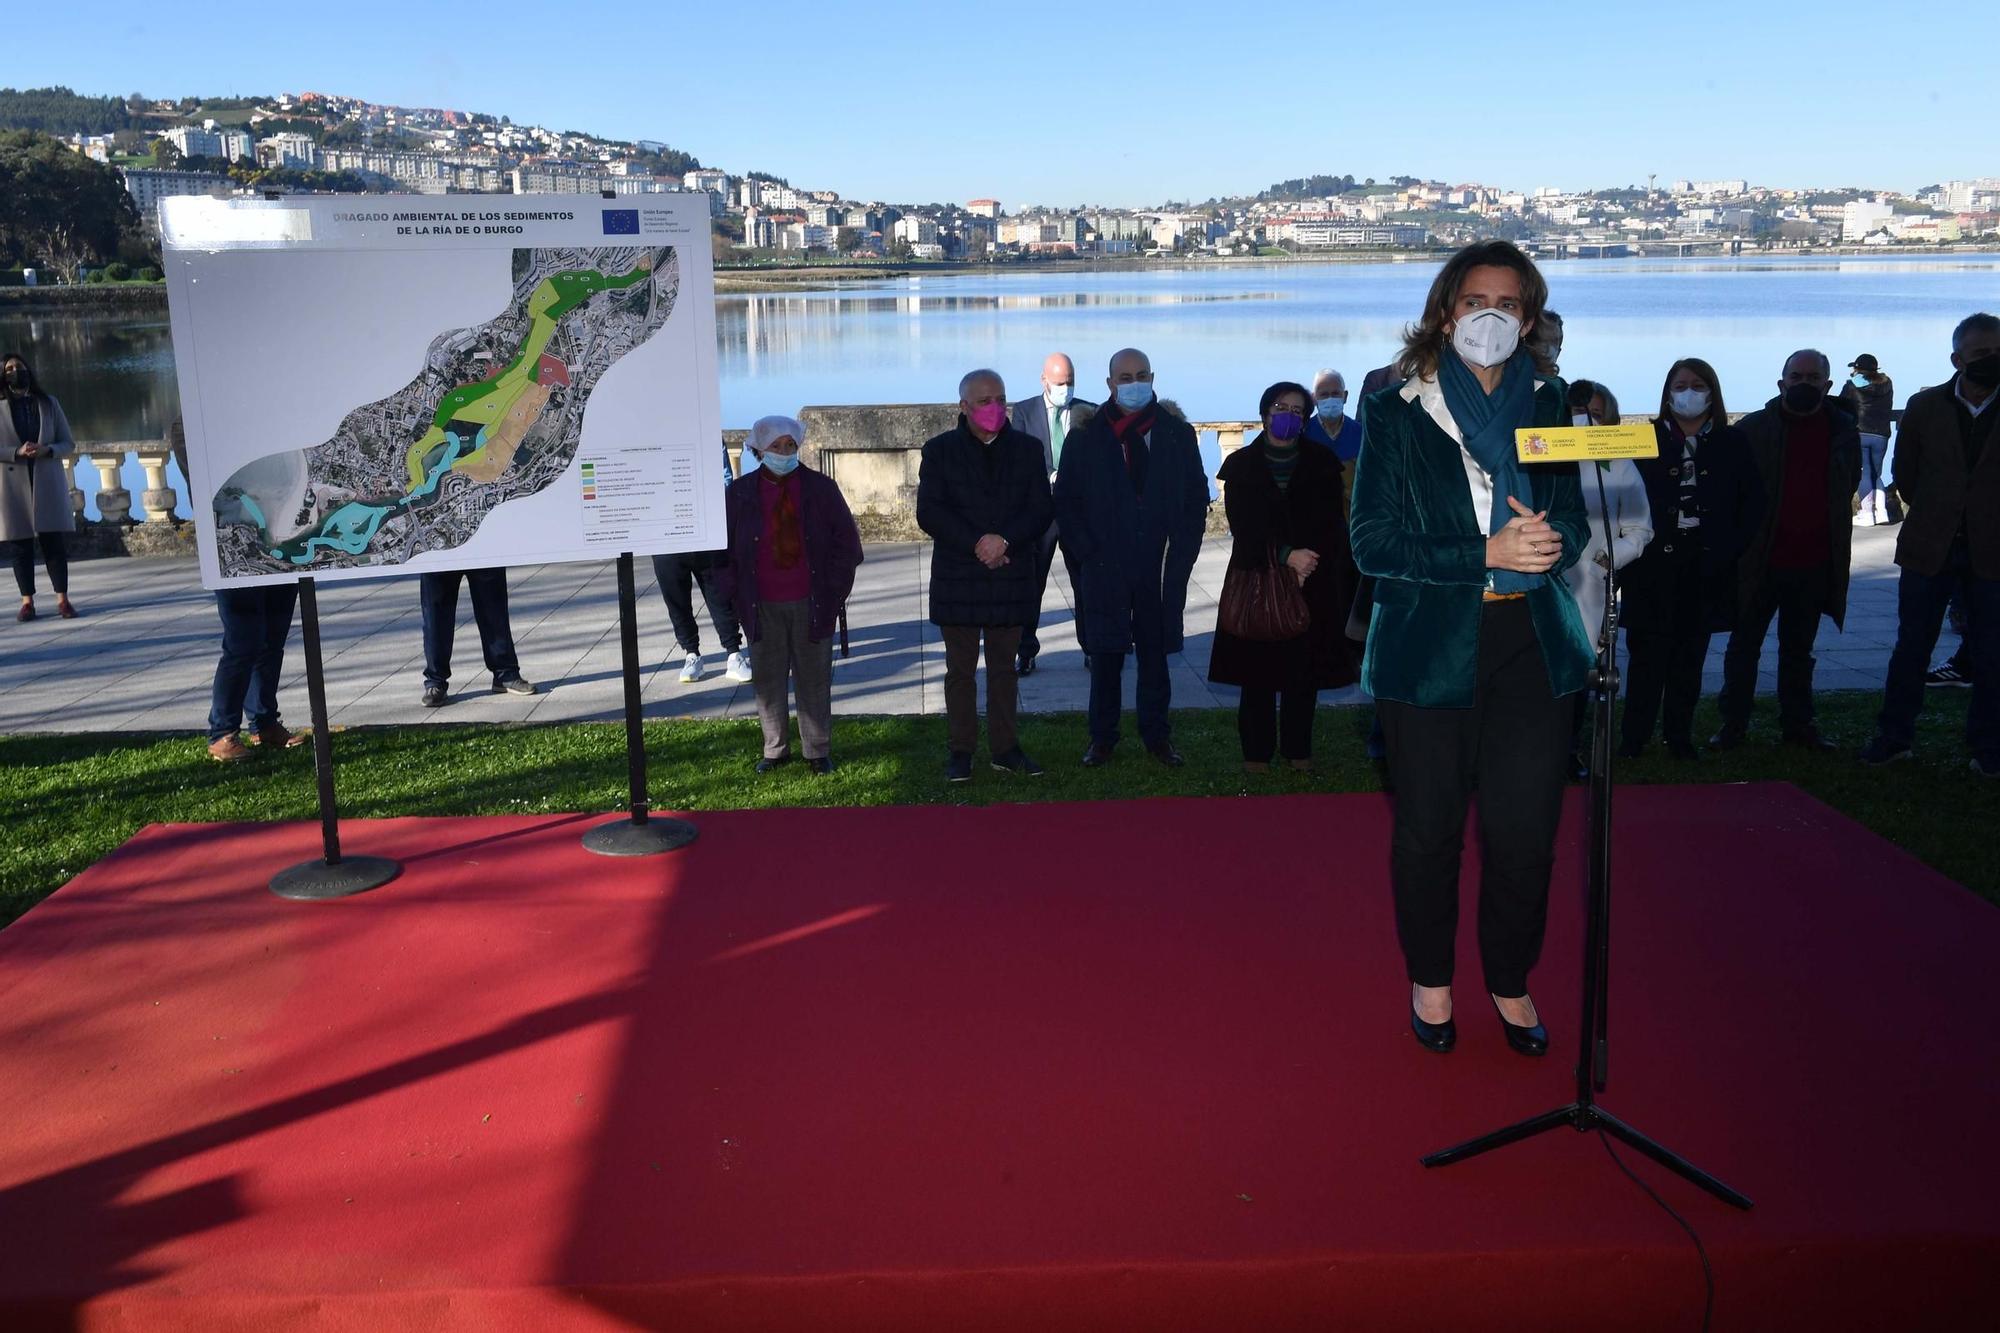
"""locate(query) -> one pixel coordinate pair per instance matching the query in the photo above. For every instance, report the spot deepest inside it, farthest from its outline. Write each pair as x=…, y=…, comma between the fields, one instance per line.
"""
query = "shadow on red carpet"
x=1105, y=1065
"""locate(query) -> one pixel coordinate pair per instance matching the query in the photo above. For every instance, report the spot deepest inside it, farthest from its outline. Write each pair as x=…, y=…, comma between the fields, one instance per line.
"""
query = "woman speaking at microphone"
x=1476, y=643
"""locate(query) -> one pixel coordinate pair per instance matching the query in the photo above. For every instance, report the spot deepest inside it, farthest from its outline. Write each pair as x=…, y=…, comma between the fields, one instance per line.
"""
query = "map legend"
x=639, y=495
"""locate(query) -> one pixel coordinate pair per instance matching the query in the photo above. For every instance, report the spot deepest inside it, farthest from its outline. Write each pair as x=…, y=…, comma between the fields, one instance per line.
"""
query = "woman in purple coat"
x=793, y=549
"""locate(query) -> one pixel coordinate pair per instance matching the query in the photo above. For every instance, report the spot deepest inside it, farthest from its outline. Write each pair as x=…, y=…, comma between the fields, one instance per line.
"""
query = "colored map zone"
x=479, y=425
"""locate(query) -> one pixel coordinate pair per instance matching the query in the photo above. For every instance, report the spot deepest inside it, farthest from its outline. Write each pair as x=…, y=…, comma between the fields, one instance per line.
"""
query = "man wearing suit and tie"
x=1051, y=416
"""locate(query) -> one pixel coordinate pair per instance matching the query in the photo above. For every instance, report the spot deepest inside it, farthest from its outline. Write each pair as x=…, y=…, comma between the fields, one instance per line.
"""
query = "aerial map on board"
x=493, y=415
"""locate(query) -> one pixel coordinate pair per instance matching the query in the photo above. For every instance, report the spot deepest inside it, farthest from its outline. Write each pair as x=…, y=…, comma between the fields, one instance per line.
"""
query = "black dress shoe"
x=1097, y=756
x=1808, y=738
x=1166, y=754
x=766, y=765
x=1016, y=761
x=822, y=765
x=1528, y=1041
x=1683, y=750
x=1439, y=1037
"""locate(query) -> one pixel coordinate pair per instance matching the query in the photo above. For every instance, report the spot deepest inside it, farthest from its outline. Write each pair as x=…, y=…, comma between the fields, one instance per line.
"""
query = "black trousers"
x=1511, y=746
x=1797, y=597
x=55, y=554
x=1045, y=559
x=677, y=576
x=1668, y=647
x=439, y=597
x=1275, y=722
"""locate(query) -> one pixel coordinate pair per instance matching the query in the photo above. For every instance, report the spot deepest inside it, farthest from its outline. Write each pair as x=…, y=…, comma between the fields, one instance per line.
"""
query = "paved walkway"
x=142, y=655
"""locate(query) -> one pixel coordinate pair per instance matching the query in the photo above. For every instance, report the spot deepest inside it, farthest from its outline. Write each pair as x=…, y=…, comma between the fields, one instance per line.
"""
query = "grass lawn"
x=78, y=796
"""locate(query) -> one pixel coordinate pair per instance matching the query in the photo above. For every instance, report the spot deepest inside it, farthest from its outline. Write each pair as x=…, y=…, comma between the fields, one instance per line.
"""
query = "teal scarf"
x=1487, y=422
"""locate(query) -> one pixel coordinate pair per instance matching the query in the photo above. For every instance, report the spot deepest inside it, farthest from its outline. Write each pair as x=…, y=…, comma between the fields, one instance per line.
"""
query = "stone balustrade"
x=871, y=450
x=114, y=529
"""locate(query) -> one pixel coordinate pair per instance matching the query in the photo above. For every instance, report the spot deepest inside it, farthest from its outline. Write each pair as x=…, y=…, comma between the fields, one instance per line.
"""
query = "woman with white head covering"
x=793, y=549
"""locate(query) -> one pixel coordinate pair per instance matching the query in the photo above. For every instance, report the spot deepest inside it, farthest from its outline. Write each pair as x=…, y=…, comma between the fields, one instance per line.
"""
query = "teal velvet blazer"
x=1415, y=534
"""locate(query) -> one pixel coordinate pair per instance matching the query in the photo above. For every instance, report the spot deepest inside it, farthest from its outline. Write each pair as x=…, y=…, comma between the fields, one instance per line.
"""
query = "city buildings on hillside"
x=147, y=188
x=210, y=140
x=441, y=150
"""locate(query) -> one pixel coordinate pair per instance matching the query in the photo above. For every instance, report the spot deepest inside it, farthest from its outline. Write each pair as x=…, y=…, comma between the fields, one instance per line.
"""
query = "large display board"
x=385, y=384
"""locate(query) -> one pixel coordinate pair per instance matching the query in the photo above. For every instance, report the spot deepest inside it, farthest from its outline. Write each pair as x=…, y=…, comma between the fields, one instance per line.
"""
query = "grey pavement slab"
x=143, y=653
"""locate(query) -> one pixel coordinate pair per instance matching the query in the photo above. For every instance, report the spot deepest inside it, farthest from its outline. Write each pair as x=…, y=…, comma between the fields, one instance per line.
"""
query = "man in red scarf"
x=1132, y=502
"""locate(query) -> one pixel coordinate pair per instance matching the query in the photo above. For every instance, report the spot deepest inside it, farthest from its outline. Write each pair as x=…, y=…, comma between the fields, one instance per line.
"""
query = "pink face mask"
x=988, y=418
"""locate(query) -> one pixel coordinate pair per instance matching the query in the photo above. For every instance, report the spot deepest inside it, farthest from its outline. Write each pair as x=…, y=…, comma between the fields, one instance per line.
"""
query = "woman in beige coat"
x=34, y=493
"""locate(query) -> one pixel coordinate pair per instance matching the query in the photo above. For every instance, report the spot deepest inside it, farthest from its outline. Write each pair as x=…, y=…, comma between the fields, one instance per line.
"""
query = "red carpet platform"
x=1062, y=1066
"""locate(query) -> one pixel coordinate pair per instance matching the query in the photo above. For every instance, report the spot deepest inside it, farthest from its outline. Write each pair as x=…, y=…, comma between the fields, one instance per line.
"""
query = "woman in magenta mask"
x=1286, y=510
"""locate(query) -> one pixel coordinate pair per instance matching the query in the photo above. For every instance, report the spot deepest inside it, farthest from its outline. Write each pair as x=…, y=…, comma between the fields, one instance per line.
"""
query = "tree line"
x=60, y=210
x=62, y=111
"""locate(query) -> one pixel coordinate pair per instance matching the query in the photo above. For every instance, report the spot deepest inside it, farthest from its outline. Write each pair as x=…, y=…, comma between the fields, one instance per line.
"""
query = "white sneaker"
x=691, y=669
x=739, y=666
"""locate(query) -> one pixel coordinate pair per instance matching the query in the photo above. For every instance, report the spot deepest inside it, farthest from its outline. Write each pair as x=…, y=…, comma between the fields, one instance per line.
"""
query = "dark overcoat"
x=1729, y=500
x=1305, y=516
x=1949, y=486
x=1765, y=432
x=1134, y=550
x=965, y=490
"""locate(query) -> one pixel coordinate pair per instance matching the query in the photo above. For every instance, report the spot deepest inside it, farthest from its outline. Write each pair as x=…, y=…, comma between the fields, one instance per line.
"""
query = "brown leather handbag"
x=1263, y=605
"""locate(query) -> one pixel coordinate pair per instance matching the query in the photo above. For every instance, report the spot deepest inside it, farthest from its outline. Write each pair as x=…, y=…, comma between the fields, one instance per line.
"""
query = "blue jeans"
x=489, y=612
x=255, y=624
x=1149, y=645
x=1874, y=457
x=1920, y=606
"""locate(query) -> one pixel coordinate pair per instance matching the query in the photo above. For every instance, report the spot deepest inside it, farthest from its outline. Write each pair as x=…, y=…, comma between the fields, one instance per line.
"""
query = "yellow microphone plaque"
x=1586, y=444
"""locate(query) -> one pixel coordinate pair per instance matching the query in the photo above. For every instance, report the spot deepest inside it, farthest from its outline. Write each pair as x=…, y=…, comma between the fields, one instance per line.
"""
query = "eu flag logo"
x=621, y=222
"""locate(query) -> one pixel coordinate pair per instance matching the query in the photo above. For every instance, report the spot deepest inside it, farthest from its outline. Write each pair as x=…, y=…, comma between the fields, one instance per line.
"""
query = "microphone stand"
x=1584, y=1114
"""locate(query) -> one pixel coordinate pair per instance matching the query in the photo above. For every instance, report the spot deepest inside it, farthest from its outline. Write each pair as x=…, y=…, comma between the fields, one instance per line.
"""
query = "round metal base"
x=310, y=881
x=625, y=838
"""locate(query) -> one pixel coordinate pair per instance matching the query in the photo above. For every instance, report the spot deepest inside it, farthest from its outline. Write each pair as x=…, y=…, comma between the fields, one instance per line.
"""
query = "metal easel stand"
x=638, y=834
x=333, y=875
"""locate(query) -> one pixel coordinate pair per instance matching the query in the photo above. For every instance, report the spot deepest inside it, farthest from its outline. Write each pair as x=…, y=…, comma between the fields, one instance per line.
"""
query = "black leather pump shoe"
x=1439, y=1037
x=1528, y=1041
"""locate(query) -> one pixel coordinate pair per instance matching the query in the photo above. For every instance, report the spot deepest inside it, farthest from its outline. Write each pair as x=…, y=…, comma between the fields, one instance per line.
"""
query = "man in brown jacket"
x=1796, y=568
x=1948, y=467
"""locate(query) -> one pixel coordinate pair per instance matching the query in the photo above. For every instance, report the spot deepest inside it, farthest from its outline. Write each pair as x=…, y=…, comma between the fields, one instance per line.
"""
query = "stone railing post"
x=1229, y=437
x=114, y=502
x=159, y=497
x=75, y=491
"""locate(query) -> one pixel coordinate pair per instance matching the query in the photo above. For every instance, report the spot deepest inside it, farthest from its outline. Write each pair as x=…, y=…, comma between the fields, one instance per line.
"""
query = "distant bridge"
x=1721, y=245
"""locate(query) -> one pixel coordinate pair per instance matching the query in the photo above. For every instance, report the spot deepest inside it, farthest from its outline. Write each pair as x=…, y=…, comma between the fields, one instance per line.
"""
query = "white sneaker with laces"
x=739, y=666
x=691, y=669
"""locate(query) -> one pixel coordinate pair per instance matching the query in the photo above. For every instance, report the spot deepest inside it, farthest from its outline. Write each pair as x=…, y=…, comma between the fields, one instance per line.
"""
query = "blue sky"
x=1131, y=104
